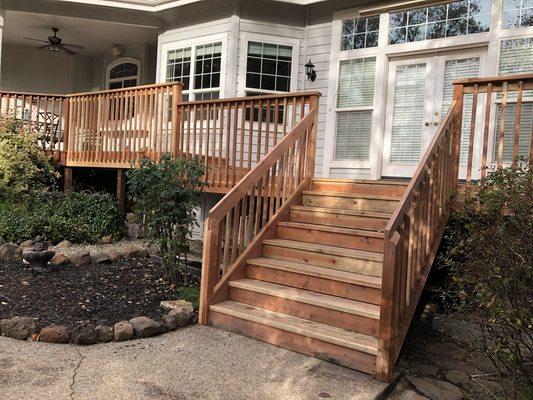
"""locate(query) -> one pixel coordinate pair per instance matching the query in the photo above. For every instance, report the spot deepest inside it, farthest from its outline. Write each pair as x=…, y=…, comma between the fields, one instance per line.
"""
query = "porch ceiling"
x=96, y=36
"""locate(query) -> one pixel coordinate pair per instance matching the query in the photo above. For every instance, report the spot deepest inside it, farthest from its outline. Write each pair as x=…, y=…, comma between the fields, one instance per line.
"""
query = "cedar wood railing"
x=413, y=234
x=238, y=224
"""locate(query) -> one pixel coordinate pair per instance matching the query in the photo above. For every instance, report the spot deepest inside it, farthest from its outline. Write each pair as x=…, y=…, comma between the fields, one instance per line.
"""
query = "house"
x=312, y=117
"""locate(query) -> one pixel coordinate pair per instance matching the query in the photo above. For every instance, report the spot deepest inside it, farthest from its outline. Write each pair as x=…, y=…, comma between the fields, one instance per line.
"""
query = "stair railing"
x=248, y=214
x=414, y=232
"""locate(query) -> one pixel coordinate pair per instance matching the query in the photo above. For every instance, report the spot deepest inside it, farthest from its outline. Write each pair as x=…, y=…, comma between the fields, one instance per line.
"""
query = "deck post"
x=67, y=179
x=176, y=98
x=121, y=190
x=311, y=141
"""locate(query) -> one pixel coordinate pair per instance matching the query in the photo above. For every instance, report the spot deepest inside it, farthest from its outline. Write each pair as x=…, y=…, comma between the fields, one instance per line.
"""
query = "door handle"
x=436, y=123
x=426, y=123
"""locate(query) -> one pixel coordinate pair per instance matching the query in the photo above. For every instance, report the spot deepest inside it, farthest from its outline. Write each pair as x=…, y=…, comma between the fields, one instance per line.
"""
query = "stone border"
x=180, y=314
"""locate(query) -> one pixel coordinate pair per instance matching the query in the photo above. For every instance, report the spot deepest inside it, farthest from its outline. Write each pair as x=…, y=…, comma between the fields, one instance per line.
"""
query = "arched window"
x=123, y=73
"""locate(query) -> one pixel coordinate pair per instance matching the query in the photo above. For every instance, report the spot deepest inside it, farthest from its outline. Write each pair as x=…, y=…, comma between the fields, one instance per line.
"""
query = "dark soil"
x=100, y=294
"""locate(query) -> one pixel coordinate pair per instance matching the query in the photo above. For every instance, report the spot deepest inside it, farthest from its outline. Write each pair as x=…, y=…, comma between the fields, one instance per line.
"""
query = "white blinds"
x=354, y=126
x=516, y=56
x=408, y=113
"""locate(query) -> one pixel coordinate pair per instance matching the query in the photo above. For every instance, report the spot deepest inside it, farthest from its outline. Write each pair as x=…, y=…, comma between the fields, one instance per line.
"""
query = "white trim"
x=192, y=43
x=246, y=37
x=119, y=61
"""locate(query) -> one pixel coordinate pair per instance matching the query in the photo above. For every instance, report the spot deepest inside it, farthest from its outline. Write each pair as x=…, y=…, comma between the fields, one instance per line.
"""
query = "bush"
x=490, y=257
x=77, y=217
x=166, y=195
x=23, y=166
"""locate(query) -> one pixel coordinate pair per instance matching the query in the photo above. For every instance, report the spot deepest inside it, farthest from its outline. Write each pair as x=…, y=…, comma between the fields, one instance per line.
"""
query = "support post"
x=176, y=98
x=67, y=179
x=121, y=190
x=311, y=140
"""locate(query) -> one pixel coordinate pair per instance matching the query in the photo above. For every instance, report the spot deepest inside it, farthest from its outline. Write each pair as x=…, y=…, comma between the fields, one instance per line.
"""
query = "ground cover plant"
x=490, y=260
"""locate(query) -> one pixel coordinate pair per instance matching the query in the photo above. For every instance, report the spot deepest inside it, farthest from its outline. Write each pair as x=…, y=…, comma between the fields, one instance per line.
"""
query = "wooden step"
x=379, y=187
x=358, y=261
x=341, y=218
x=350, y=201
x=331, y=310
x=350, y=349
x=358, y=239
x=318, y=279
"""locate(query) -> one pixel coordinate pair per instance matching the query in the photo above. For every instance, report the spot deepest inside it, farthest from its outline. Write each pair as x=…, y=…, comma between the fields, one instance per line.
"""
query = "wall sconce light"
x=310, y=71
x=117, y=51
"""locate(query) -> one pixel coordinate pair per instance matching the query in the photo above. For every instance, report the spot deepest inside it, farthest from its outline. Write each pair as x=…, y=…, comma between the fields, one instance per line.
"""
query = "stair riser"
x=355, y=242
x=315, y=348
x=315, y=284
x=350, y=203
x=341, y=220
x=361, y=266
x=360, y=188
x=351, y=322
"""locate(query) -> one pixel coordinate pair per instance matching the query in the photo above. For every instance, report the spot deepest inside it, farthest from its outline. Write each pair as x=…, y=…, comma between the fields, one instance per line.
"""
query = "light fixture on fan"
x=55, y=44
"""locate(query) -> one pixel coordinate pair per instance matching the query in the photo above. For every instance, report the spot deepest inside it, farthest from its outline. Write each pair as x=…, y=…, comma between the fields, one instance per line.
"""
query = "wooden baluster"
x=250, y=135
x=235, y=231
x=259, y=131
x=501, y=135
x=518, y=117
x=486, y=128
x=220, y=144
x=234, y=136
x=472, y=134
x=195, y=129
x=241, y=144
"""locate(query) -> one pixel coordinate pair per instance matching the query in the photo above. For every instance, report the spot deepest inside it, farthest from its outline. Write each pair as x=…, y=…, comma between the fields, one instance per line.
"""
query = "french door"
x=419, y=94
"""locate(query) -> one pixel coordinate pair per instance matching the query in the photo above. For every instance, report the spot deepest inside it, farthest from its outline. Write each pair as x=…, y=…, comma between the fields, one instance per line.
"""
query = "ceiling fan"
x=55, y=44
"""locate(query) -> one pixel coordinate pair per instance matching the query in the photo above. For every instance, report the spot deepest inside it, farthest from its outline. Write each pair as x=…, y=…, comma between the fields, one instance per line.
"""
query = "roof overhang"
x=160, y=5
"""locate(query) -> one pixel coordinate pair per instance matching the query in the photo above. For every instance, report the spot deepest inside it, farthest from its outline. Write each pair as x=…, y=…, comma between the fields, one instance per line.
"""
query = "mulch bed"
x=100, y=294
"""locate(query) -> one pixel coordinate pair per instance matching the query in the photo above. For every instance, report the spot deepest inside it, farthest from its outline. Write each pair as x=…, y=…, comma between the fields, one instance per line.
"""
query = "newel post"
x=210, y=267
x=311, y=139
x=176, y=98
x=386, y=336
x=458, y=94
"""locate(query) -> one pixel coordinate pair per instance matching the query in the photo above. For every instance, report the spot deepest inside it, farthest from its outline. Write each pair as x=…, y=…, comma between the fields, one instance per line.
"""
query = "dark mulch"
x=100, y=294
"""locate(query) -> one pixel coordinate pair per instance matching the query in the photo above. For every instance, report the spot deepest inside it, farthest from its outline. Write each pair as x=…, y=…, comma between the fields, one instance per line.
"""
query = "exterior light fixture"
x=310, y=71
x=54, y=48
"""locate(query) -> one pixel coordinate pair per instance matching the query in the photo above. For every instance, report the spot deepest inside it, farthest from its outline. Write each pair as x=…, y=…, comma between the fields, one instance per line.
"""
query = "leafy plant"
x=23, y=166
x=166, y=195
x=490, y=257
x=191, y=294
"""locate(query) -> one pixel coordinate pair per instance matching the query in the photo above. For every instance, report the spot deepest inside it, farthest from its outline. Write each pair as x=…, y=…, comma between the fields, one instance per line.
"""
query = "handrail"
x=237, y=225
x=127, y=89
x=253, y=98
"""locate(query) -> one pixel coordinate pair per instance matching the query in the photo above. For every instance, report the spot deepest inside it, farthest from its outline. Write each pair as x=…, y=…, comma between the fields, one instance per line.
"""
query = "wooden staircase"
x=316, y=286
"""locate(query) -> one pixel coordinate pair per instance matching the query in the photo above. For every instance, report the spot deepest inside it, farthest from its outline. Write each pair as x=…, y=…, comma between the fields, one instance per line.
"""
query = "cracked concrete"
x=193, y=363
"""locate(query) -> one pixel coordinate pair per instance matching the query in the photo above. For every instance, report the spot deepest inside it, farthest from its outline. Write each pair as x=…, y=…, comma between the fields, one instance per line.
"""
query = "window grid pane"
x=268, y=67
x=360, y=33
x=208, y=64
x=356, y=82
x=179, y=66
x=517, y=13
x=354, y=131
x=440, y=21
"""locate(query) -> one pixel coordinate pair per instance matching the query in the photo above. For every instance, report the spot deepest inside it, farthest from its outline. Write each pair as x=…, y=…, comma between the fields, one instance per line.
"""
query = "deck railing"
x=43, y=114
x=237, y=225
x=415, y=230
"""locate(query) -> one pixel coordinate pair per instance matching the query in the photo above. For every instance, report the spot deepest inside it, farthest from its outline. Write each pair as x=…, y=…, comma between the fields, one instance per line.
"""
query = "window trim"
x=119, y=61
x=245, y=38
x=192, y=43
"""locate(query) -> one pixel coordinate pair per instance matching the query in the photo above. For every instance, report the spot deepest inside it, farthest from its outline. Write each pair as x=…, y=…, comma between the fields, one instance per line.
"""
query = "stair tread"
x=372, y=214
x=364, y=181
x=334, y=229
x=309, y=297
x=321, y=272
x=328, y=193
x=304, y=327
x=325, y=249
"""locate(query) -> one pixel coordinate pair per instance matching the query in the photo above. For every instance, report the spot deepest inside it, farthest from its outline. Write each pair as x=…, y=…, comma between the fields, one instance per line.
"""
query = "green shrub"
x=23, y=166
x=166, y=195
x=77, y=217
x=490, y=260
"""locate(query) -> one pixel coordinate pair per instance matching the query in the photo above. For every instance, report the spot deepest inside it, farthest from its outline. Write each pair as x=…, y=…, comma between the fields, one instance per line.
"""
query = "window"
x=123, y=73
x=440, y=21
x=355, y=103
x=268, y=67
x=360, y=33
x=198, y=68
x=517, y=13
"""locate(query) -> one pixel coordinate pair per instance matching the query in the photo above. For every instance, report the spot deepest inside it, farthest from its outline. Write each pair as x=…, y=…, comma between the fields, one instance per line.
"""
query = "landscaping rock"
x=134, y=251
x=2, y=242
x=101, y=258
x=177, y=304
x=35, y=245
x=146, y=327
x=55, y=334
x=113, y=255
x=156, y=259
x=445, y=349
x=10, y=252
x=177, y=318
x=27, y=243
x=38, y=259
x=123, y=331
x=84, y=334
x=106, y=240
x=80, y=258
x=411, y=395
x=422, y=369
x=457, y=377
x=63, y=244
x=435, y=389
x=59, y=260
x=18, y=328
x=104, y=333
x=153, y=250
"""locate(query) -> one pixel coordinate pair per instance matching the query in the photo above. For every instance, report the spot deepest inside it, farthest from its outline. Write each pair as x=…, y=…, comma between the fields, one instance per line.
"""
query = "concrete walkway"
x=193, y=363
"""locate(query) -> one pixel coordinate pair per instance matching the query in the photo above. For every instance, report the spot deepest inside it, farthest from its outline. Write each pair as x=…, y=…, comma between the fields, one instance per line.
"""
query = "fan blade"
x=75, y=46
x=44, y=46
x=68, y=51
x=35, y=40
